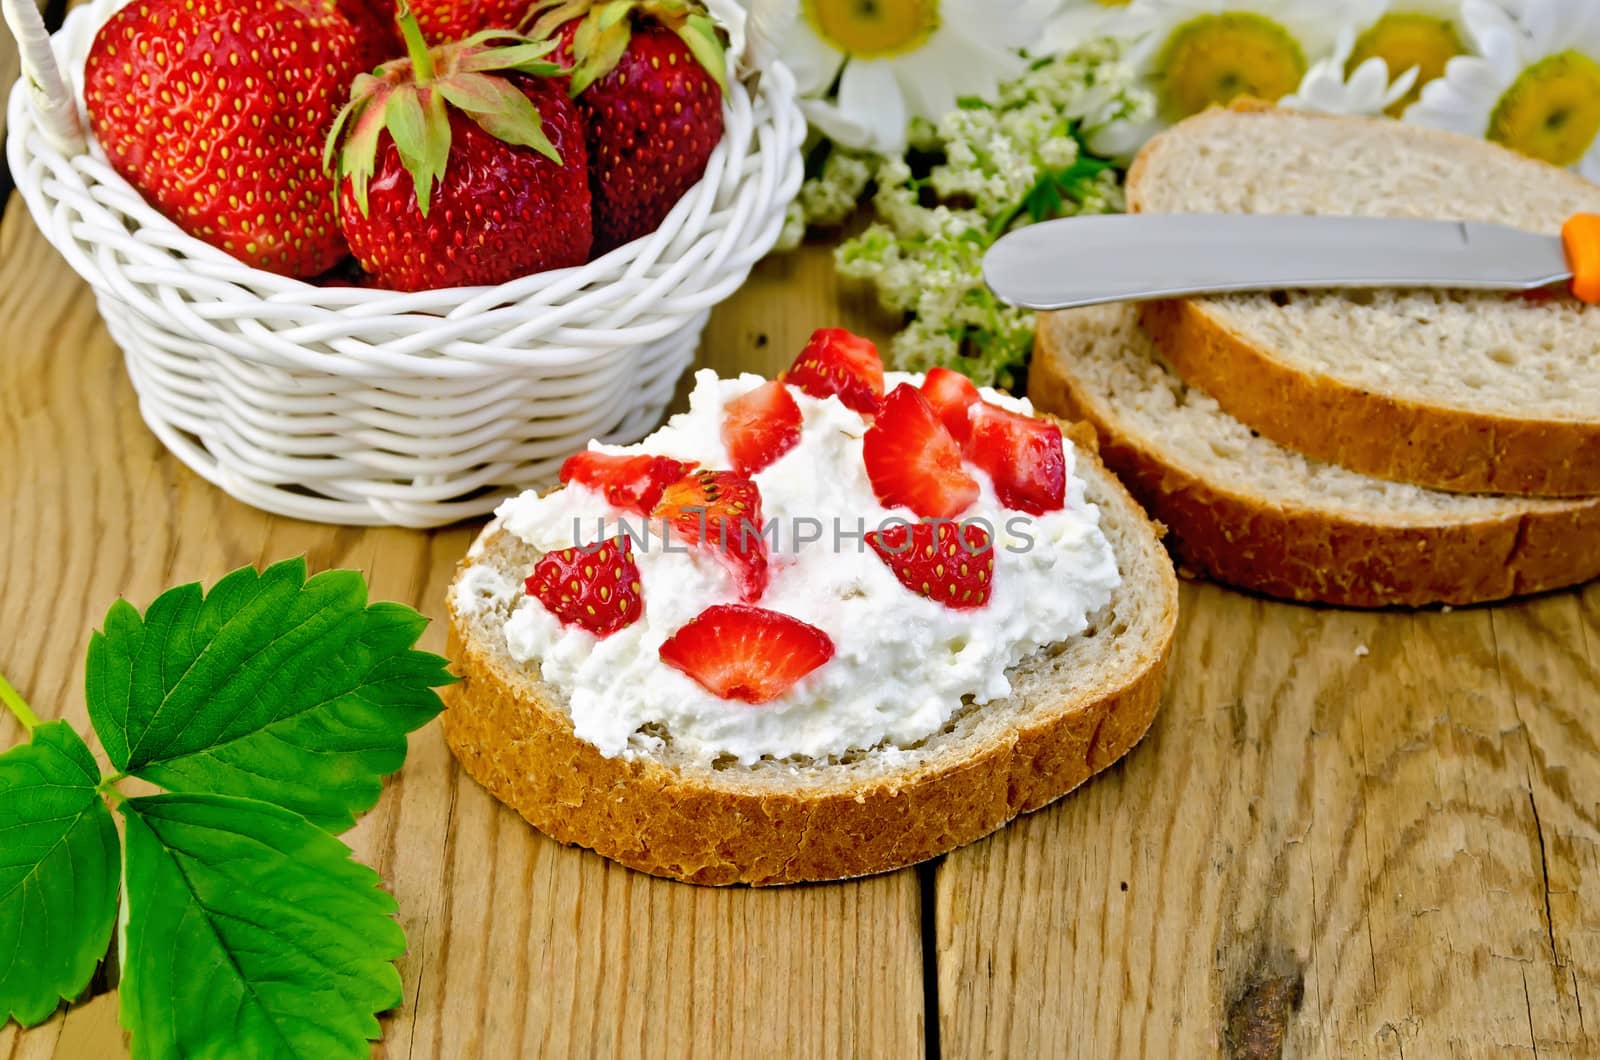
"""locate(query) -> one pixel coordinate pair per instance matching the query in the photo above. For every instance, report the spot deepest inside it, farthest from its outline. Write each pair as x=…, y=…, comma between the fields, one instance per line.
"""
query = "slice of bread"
x=1076, y=708
x=1472, y=392
x=1252, y=513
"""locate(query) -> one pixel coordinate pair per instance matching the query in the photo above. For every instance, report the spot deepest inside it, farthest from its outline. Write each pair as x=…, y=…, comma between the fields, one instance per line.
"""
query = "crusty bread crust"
x=1437, y=446
x=715, y=828
x=1307, y=555
x=1442, y=448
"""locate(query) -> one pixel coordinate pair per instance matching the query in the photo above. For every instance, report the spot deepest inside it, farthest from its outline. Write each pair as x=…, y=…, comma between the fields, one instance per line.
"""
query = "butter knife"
x=1080, y=261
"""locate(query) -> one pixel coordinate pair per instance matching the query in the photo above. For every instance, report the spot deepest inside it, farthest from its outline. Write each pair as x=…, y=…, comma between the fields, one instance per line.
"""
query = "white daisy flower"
x=1080, y=21
x=1333, y=86
x=1407, y=35
x=1192, y=54
x=1534, y=88
x=1196, y=53
x=867, y=67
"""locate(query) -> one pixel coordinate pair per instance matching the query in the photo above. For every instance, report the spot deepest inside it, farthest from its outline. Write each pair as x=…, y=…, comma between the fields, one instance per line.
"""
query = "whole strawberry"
x=216, y=111
x=649, y=76
x=461, y=166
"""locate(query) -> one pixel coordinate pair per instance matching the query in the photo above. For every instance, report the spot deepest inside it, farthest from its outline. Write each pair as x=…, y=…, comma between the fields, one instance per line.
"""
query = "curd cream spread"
x=903, y=663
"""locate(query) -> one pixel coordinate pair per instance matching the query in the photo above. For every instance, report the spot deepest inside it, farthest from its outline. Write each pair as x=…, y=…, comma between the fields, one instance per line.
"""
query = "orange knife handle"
x=1581, y=237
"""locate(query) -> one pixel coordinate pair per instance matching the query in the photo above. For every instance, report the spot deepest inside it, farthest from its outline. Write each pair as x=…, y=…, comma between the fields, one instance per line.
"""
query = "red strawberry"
x=452, y=20
x=592, y=586
x=913, y=462
x=760, y=426
x=952, y=396
x=721, y=510
x=837, y=362
x=216, y=111
x=1022, y=455
x=649, y=76
x=490, y=182
x=632, y=483
x=746, y=653
x=949, y=563
x=377, y=37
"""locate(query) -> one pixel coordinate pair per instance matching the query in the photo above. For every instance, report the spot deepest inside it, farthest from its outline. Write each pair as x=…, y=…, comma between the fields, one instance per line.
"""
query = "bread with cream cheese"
x=1252, y=513
x=1077, y=707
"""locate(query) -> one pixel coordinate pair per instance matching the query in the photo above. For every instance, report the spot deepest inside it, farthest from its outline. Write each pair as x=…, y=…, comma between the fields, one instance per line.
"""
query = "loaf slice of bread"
x=1473, y=392
x=1076, y=708
x=1255, y=514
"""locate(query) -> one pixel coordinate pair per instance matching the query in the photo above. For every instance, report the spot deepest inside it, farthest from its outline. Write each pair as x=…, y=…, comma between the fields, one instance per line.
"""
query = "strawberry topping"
x=949, y=563
x=837, y=362
x=1022, y=455
x=760, y=427
x=632, y=483
x=746, y=653
x=595, y=587
x=720, y=510
x=952, y=396
x=913, y=462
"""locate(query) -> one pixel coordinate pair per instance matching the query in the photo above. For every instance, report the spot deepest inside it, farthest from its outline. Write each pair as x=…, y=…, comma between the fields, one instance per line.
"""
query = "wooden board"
x=1348, y=834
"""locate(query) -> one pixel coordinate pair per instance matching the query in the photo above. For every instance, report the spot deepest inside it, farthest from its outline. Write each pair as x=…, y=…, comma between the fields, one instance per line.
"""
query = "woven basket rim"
x=76, y=33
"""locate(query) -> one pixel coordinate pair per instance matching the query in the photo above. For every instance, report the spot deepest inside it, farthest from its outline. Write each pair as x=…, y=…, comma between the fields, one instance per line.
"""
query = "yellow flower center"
x=873, y=29
x=1217, y=58
x=1551, y=111
x=1406, y=41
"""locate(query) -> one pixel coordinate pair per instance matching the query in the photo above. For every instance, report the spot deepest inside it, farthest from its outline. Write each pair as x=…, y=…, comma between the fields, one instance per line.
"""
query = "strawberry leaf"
x=58, y=873
x=358, y=159
x=599, y=44
x=250, y=932
x=500, y=109
x=699, y=34
x=271, y=686
x=529, y=57
x=420, y=126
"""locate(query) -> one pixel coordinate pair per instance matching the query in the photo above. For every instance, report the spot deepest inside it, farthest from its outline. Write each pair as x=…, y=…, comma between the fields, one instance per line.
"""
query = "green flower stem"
x=108, y=789
x=17, y=705
x=416, y=47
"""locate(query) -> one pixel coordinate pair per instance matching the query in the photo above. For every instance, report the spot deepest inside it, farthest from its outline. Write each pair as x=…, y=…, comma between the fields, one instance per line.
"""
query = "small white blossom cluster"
x=980, y=171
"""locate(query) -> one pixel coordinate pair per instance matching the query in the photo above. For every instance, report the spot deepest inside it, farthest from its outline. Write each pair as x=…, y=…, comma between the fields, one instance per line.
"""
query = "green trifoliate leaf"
x=250, y=932
x=501, y=109
x=270, y=686
x=58, y=873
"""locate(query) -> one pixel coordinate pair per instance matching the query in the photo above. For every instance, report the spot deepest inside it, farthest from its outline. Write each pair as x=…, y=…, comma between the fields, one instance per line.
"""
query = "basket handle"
x=49, y=93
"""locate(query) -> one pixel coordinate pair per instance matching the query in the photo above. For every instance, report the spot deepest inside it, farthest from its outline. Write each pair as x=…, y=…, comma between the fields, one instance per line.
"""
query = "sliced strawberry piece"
x=746, y=653
x=631, y=482
x=913, y=462
x=720, y=510
x=837, y=362
x=949, y=563
x=1022, y=455
x=952, y=396
x=595, y=587
x=760, y=427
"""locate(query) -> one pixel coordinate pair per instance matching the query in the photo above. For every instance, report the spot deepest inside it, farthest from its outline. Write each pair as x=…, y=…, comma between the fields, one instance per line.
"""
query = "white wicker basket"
x=358, y=406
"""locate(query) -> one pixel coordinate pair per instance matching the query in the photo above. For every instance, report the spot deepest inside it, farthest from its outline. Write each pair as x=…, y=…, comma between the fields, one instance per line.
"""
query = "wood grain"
x=1386, y=823
x=519, y=947
x=1319, y=851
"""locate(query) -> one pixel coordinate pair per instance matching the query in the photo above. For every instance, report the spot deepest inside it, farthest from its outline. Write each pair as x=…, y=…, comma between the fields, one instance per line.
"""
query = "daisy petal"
x=870, y=95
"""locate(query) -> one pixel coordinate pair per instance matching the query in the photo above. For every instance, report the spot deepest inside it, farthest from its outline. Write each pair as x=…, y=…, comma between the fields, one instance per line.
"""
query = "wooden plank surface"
x=1348, y=834
x=519, y=947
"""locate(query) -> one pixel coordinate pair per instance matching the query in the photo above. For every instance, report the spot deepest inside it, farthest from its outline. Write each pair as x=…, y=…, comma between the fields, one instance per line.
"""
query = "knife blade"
x=1079, y=261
